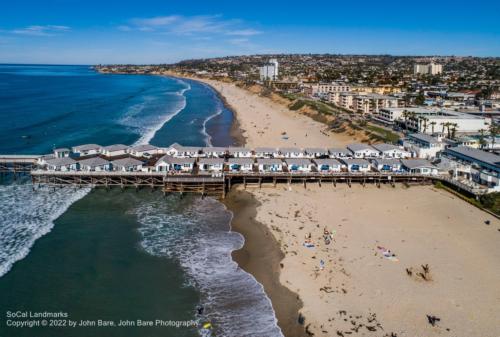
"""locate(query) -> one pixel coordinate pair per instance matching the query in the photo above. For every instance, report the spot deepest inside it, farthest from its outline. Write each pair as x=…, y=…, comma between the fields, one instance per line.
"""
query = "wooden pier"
x=18, y=163
x=179, y=183
x=218, y=185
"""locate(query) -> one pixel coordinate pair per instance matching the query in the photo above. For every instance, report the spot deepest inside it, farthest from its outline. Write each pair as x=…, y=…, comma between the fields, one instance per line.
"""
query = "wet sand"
x=261, y=256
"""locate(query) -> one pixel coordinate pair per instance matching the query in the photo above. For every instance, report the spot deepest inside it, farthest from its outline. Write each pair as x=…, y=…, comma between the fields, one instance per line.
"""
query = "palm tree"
x=454, y=127
x=433, y=123
x=482, y=142
x=493, y=130
x=425, y=120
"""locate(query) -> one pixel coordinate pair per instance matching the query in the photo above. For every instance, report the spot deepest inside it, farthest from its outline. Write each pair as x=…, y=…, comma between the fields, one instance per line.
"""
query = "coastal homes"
x=299, y=164
x=339, y=153
x=266, y=152
x=114, y=150
x=391, y=151
x=168, y=163
x=419, y=166
x=145, y=150
x=292, y=152
x=316, y=152
x=240, y=164
x=127, y=165
x=179, y=151
x=328, y=165
x=61, y=152
x=94, y=164
x=239, y=152
x=362, y=151
x=357, y=165
x=386, y=165
x=215, y=152
x=424, y=146
x=479, y=166
x=270, y=165
x=61, y=164
x=87, y=149
x=211, y=164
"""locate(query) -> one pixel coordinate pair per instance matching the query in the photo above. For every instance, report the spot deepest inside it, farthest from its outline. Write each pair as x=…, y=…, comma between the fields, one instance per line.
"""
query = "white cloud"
x=36, y=30
x=189, y=25
x=244, y=32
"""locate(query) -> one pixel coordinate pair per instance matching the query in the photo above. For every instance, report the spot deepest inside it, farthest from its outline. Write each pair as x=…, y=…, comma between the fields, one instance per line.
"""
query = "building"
x=362, y=151
x=179, y=151
x=168, y=163
x=240, y=164
x=422, y=145
x=87, y=149
x=239, y=152
x=114, y=150
x=476, y=165
x=266, y=152
x=339, y=153
x=61, y=152
x=61, y=164
x=316, y=152
x=269, y=71
x=211, y=164
x=419, y=166
x=427, y=69
x=145, y=150
x=357, y=165
x=323, y=89
x=328, y=165
x=127, y=164
x=386, y=165
x=372, y=103
x=292, y=152
x=391, y=151
x=94, y=164
x=269, y=165
x=299, y=165
x=432, y=119
x=215, y=152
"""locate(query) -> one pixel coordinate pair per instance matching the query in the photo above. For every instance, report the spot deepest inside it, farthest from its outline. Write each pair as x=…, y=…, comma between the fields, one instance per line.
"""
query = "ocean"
x=114, y=255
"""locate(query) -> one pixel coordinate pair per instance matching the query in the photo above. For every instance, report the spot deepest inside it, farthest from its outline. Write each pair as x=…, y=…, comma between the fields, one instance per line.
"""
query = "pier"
x=212, y=171
x=217, y=186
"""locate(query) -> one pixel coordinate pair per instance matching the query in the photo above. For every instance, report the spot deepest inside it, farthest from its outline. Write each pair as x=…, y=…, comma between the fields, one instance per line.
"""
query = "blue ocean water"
x=114, y=255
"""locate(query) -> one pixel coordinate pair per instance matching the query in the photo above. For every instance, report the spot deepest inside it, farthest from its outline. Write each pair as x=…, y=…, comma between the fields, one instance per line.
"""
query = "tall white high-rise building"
x=269, y=71
x=428, y=69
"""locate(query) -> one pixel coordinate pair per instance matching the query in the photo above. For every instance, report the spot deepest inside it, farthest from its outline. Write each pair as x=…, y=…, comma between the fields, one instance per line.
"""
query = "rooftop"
x=475, y=154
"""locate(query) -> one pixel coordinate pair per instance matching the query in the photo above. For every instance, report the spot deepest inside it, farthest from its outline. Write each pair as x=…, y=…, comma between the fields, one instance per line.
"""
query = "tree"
x=454, y=127
x=433, y=123
x=494, y=129
x=482, y=141
x=420, y=100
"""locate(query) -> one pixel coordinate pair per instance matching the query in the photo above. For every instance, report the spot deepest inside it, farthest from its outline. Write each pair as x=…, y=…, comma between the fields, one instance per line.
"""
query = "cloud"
x=189, y=25
x=36, y=30
x=244, y=32
x=156, y=21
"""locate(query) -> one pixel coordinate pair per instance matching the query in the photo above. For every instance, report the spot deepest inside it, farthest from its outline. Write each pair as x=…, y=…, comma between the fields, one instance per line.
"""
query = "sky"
x=166, y=31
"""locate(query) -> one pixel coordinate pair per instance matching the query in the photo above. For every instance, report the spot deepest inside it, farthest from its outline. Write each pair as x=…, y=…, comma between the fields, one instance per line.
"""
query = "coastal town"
x=444, y=110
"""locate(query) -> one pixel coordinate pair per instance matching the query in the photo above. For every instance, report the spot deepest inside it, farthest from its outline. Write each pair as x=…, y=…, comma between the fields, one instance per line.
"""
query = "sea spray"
x=196, y=233
x=26, y=215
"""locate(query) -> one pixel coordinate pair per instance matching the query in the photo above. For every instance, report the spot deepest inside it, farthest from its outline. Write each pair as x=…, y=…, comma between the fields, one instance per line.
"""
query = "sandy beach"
x=391, y=258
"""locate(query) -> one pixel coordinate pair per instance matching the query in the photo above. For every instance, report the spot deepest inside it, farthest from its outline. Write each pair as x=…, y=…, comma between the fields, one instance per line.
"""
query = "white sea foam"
x=161, y=120
x=25, y=216
x=208, y=138
x=199, y=238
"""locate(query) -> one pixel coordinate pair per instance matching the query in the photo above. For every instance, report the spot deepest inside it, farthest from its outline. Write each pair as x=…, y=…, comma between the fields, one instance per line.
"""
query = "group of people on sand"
x=327, y=238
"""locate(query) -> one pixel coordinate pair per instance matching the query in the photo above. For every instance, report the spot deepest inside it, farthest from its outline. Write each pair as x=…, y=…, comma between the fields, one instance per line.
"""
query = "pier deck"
x=217, y=185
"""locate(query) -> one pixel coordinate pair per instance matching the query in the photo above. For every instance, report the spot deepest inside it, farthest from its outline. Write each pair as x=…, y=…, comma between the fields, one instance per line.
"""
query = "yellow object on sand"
x=207, y=325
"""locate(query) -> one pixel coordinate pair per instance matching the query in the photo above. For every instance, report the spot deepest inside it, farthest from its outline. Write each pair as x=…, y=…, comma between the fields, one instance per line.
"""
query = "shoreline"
x=261, y=256
x=349, y=276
